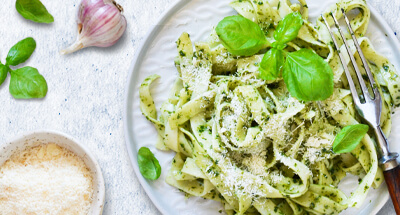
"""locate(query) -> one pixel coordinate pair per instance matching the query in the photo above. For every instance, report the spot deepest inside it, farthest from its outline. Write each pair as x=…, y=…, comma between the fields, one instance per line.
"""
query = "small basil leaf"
x=349, y=137
x=3, y=73
x=288, y=28
x=307, y=76
x=27, y=83
x=148, y=164
x=240, y=35
x=21, y=51
x=272, y=64
x=33, y=10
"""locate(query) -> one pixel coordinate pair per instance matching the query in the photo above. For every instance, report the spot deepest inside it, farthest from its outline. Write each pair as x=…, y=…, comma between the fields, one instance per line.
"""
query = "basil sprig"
x=241, y=36
x=26, y=82
x=148, y=164
x=349, y=137
x=33, y=10
x=307, y=76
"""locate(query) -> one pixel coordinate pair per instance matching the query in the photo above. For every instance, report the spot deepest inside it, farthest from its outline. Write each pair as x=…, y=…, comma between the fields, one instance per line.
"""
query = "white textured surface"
x=86, y=89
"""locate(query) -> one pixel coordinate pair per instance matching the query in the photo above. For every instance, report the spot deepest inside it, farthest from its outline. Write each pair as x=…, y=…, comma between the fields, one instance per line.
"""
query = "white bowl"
x=32, y=139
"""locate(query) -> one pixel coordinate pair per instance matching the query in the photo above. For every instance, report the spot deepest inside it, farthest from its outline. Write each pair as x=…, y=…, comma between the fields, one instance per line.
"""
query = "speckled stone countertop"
x=87, y=89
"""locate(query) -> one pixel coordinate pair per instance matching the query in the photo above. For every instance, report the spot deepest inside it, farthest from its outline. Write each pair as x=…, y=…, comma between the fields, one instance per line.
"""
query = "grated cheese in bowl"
x=46, y=179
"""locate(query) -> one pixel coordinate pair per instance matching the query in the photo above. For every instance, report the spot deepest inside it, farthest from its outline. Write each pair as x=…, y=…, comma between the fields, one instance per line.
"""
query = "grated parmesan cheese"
x=256, y=164
x=238, y=179
x=46, y=179
x=315, y=155
x=316, y=142
x=276, y=177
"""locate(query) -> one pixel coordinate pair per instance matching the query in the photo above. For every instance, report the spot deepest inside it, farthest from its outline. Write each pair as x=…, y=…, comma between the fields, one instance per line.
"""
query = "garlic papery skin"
x=100, y=23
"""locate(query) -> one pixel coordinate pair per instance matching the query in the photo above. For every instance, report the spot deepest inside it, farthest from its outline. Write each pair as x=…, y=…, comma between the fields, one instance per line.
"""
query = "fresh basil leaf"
x=33, y=10
x=272, y=64
x=307, y=76
x=148, y=164
x=241, y=36
x=288, y=28
x=21, y=51
x=349, y=137
x=27, y=83
x=3, y=73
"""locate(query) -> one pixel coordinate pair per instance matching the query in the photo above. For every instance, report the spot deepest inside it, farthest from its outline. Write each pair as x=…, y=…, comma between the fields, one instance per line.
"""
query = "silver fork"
x=369, y=108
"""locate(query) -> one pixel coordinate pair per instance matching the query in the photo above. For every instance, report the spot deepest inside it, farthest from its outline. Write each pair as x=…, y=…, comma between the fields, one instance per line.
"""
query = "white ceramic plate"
x=156, y=56
x=32, y=139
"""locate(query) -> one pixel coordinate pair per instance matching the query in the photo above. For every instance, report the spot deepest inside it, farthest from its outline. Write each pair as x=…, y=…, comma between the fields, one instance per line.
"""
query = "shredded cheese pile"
x=46, y=179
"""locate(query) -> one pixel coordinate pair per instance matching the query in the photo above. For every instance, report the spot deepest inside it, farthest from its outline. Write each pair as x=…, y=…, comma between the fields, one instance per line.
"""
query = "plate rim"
x=148, y=39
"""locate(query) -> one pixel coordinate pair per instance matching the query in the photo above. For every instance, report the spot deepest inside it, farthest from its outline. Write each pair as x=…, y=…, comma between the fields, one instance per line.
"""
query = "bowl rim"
x=98, y=202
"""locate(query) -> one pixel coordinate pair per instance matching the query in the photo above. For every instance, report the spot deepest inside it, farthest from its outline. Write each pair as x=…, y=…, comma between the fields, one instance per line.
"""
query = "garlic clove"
x=100, y=23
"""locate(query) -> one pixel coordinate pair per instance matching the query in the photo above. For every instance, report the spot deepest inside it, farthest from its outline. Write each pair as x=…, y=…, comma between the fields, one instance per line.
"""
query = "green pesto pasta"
x=249, y=144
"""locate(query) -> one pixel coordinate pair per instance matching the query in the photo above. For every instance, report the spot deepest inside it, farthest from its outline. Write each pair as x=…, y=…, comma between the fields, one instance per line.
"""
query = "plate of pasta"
x=241, y=103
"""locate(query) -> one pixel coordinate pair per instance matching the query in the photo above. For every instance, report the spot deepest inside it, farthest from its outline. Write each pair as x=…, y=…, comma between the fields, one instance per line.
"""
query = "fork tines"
x=364, y=89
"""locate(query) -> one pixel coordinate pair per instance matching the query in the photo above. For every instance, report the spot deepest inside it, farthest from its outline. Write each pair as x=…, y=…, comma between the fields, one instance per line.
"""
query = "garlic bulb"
x=100, y=23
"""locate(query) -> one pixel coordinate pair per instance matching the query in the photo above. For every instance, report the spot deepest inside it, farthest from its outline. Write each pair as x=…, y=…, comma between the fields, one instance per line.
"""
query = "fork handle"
x=392, y=178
